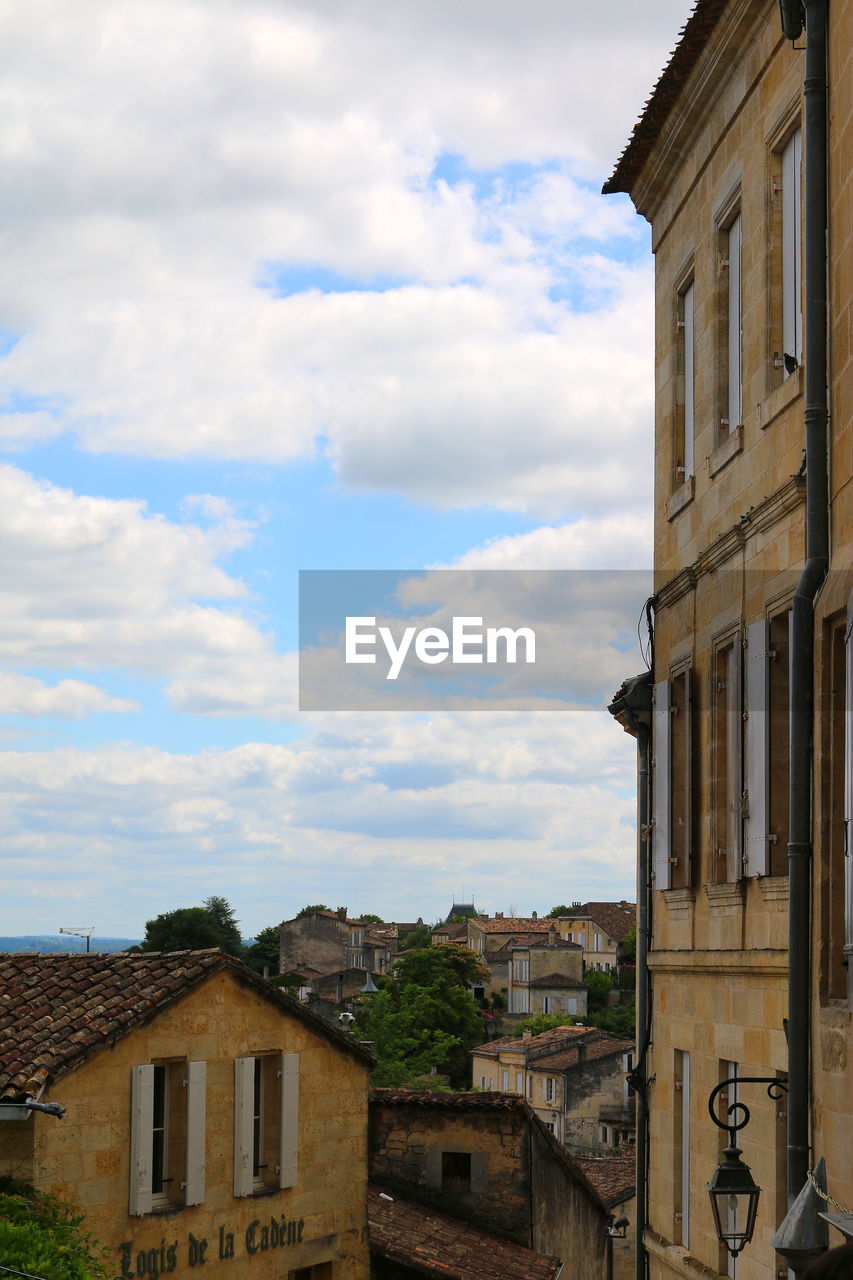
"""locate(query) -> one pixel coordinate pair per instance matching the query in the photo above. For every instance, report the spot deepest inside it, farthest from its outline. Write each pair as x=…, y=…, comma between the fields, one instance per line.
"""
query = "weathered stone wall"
x=568, y=1222
x=406, y=1144
x=318, y=942
x=85, y=1156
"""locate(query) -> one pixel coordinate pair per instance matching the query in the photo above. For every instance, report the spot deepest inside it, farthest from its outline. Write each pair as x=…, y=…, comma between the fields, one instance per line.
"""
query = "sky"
x=295, y=286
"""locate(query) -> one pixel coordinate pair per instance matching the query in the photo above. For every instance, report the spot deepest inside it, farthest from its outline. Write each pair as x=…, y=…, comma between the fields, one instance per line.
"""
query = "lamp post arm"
x=776, y=1087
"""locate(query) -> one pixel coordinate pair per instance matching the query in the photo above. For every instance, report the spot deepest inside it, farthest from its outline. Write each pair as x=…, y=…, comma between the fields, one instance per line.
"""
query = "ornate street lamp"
x=733, y=1190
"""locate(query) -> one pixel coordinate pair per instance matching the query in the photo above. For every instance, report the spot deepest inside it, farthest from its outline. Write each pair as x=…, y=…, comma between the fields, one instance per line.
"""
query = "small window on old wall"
x=456, y=1171
x=727, y=758
x=167, y=1135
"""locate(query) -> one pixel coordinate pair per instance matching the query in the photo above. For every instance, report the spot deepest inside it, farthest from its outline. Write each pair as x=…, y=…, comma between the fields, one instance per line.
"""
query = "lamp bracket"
x=738, y=1112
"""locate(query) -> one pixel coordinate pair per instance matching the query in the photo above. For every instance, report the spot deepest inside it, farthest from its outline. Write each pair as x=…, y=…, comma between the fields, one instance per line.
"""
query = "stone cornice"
x=755, y=963
x=757, y=519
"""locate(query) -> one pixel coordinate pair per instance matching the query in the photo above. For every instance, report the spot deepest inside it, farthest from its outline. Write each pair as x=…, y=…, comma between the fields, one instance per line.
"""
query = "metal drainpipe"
x=811, y=579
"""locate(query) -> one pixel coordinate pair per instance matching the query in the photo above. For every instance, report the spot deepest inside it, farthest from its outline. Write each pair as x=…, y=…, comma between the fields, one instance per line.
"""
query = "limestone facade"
x=715, y=165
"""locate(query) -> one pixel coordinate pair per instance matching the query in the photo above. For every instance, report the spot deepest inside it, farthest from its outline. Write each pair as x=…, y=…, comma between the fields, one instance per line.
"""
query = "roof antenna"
x=81, y=931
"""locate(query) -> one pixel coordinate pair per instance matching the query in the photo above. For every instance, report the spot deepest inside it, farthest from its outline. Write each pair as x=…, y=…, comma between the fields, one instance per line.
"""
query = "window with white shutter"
x=661, y=754
x=727, y=754
x=244, y=1146
x=757, y=749
x=792, y=276
x=196, y=1120
x=289, y=1120
x=167, y=1135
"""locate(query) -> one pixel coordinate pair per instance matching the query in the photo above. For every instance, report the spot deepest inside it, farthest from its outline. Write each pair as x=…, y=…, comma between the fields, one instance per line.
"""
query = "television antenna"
x=80, y=931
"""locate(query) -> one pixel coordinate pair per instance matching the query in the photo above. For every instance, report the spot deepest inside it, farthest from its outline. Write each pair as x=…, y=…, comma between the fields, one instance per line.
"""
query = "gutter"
x=800, y=846
x=632, y=707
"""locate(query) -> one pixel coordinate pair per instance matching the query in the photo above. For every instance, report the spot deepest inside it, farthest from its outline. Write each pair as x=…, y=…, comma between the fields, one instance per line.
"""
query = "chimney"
x=527, y=1034
x=581, y=1054
x=342, y=913
x=533, y=915
x=552, y=937
x=499, y=915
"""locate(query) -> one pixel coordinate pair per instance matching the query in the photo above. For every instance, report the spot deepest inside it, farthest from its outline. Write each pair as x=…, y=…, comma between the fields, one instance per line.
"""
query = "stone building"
x=746, y=907
x=614, y=1178
x=486, y=1159
x=572, y=1077
x=329, y=942
x=209, y=1121
x=599, y=928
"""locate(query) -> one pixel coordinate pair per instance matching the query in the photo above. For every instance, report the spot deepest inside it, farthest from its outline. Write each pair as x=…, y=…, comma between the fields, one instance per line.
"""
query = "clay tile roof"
x=692, y=40
x=556, y=980
x=614, y=1177
x=594, y=1050
x=556, y=1037
x=436, y=1245
x=57, y=1010
x=514, y=924
x=614, y=918
x=433, y=1099
x=452, y=931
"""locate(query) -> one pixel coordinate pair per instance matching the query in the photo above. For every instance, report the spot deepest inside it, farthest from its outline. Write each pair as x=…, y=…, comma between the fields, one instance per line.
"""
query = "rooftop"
x=434, y=1244
x=514, y=924
x=614, y=1177
x=58, y=1010
x=594, y=1050
x=615, y=918
x=443, y=1100
x=557, y=1037
x=556, y=981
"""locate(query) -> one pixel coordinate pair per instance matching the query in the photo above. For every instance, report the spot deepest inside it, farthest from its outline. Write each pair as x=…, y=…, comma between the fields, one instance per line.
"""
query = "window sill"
x=681, y=498
x=773, y=888
x=729, y=893
x=166, y=1210
x=780, y=397
x=726, y=450
x=262, y=1193
x=678, y=899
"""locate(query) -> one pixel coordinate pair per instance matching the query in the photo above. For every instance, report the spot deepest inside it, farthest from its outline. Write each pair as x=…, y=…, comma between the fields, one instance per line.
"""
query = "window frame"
x=252, y=1146
x=727, y=747
x=684, y=452
x=181, y=1080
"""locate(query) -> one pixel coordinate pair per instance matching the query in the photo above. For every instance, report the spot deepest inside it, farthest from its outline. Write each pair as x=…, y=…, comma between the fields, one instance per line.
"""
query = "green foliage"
x=598, y=985
x=423, y=1017
x=628, y=948
x=45, y=1237
x=223, y=914
x=417, y=938
x=620, y=1020
x=186, y=929
x=367, y=917
x=264, y=951
x=545, y=1022
x=309, y=911
x=561, y=910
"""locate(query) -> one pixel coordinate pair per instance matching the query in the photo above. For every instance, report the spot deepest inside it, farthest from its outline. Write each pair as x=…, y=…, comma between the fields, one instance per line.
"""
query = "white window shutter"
x=661, y=785
x=196, y=1117
x=289, y=1120
x=848, y=803
x=244, y=1096
x=141, y=1139
x=757, y=743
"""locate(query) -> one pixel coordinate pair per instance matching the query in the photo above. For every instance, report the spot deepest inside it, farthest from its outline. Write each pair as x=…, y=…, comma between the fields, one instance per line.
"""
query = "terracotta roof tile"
x=93, y=998
x=558, y=1036
x=692, y=40
x=436, y=1099
x=594, y=1050
x=615, y=918
x=557, y=980
x=514, y=924
x=434, y=1244
x=614, y=1177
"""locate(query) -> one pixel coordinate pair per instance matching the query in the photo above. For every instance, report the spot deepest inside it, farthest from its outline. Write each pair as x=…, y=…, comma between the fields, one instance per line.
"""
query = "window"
x=550, y=1089
x=681, y=1149
x=726, y=753
x=767, y=745
x=505, y=1082
x=596, y=942
x=550, y=1126
x=838, y=831
x=529, y=1086
x=520, y=1000
x=456, y=1171
x=167, y=1135
x=792, y=310
x=732, y=399
x=320, y=1271
x=673, y=781
x=685, y=386
x=547, y=1002
x=266, y=1115
x=520, y=970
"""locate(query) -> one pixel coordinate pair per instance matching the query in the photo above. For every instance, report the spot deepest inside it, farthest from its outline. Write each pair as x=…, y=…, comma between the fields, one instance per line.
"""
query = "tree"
x=264, y=951
x=555, y=912
x=598, y=985
x=545, y=1022
x=309, y=911
x=415, y=939
x=424, y=1016
x=45, y=1237
x=367, y=917
x=223, y=914
x=186, y=929
x=621, y=1020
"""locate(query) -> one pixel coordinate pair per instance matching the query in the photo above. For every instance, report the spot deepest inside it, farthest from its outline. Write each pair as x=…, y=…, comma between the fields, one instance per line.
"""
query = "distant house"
x=328, y=942
x=487, y=1161
x=208, y=1117
x=600, y=928
x=572, y=1077
x=615, y=1180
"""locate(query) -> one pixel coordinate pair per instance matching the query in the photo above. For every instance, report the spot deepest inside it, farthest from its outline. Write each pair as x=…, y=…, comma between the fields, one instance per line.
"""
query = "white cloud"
x=69, y=699
x=620, y=541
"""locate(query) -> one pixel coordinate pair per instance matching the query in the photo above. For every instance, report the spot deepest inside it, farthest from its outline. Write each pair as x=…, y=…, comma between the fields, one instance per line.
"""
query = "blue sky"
x=307, y=287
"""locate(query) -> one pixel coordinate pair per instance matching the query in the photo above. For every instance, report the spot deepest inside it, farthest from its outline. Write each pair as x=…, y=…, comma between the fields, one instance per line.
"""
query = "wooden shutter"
x=756, y=861
x=244, y=1097
x=141, y=1139
x=196, y=1117
x=289, y=1120
x=661, y=785
x=848, y=801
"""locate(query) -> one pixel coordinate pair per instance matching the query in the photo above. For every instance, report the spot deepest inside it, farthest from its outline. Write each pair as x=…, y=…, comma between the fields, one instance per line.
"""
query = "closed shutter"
x=661, y=785
x=196, y=1118
x=141, y=1139
x=756, y=747
x=289, y=1129
x=244, y=1096
x=848, y=803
